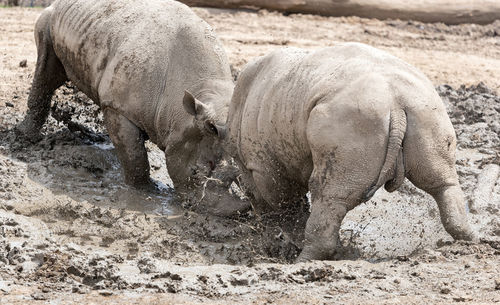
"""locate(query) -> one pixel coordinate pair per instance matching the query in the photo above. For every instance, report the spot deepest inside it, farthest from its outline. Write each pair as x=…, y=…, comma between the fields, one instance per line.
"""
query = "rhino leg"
x=272, y=192
x=321, y=235
x=347, y=158
x=336, y=188
x=49, y=75
x=263, y=199
x=429, y=154
x=128, y=140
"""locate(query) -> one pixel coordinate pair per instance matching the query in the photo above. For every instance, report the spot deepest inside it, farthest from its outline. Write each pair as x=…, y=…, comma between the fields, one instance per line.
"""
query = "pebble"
x=38, y=297
x=462, y=298
x=23, y=63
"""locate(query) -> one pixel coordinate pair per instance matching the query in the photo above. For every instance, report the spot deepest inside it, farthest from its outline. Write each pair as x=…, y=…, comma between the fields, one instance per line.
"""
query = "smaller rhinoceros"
x=341, y=122
x=140, y=61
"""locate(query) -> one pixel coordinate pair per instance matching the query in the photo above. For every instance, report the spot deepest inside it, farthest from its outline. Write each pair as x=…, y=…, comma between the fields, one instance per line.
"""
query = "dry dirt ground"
x=71, y=231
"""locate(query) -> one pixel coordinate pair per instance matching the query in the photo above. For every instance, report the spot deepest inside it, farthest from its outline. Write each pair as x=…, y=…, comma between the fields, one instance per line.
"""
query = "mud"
x=72, y=231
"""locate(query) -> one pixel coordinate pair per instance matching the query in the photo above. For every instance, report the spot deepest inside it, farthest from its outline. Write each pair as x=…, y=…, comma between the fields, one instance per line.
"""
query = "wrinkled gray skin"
x=141, y=61
x=341, y=122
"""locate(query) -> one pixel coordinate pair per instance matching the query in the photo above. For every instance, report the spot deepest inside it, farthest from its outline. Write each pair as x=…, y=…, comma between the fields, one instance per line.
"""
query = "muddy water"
x=95, y=176
x=92, y=173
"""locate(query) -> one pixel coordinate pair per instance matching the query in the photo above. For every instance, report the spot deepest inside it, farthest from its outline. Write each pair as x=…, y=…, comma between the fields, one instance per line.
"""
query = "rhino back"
x=136, y=56
x=267, y=116
x=271, y=105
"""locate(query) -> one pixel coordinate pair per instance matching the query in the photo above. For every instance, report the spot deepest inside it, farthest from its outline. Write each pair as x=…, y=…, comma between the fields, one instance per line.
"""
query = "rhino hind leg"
x=49, y=75
x=321, y=236
x=129, y=140
x=431, y=168
x=451, y=203
x=335, y=190
x=346, y=161
x=450, y=200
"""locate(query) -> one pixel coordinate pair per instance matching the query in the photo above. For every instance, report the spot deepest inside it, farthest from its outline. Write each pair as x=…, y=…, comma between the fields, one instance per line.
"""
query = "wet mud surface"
x=72, y=231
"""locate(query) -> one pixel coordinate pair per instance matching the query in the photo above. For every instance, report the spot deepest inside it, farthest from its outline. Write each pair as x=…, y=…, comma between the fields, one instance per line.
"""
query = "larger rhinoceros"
x=139, y=60
x=341, y=122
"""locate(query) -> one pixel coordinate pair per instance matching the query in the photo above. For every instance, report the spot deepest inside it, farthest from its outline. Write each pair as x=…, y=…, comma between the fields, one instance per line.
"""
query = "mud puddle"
x=76, y=158
x=93, y=174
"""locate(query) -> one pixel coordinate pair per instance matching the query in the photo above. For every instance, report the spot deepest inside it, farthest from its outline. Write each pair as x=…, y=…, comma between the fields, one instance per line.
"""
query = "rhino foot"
x=25, y=132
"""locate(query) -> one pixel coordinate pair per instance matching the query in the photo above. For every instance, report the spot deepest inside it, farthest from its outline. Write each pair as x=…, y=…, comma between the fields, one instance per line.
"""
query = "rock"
x=462, y=298
x=203, y=278
x=74, y=271
x=4, y=286
x=497, y=284
x=239, y=282
x=445, y=290
x=9, y=104
x=106, y=293
x=485, y=183
x=80, y=290
x=23, y=63
x=38, y=297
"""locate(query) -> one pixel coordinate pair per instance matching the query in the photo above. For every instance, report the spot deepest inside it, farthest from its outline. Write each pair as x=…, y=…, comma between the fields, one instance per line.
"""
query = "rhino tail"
x=392, y=173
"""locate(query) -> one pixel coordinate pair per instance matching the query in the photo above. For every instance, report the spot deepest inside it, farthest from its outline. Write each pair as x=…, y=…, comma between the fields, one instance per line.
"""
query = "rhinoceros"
x=140, y=61
x=340, y=122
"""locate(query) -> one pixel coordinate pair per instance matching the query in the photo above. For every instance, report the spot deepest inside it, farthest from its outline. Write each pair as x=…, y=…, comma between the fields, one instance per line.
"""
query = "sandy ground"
x=71, y=231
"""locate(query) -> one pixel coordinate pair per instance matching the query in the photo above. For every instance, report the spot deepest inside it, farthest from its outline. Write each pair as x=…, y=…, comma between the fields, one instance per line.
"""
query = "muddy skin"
x=71, y=230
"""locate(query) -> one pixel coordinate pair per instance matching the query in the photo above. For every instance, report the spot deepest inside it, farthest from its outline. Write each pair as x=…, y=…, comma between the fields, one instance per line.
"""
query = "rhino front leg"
x=273, y=193
x=128, y=140
x=253, y=185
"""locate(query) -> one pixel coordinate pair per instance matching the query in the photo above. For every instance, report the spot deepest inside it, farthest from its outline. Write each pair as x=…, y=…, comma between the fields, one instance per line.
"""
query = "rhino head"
x=209, y=110
x=209, y=107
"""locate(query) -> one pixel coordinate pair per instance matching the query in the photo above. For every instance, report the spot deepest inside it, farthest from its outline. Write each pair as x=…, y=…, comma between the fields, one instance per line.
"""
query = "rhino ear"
x=193, y=106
